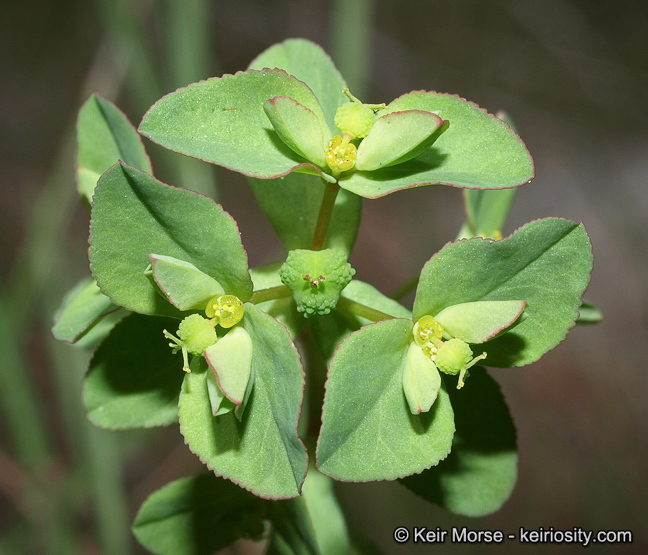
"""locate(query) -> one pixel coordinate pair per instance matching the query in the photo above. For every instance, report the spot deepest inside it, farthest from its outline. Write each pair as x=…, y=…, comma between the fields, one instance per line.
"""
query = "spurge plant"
x=184, y=331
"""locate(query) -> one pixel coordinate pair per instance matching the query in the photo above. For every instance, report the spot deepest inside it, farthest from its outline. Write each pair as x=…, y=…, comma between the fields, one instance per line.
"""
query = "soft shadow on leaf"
x=282, y=147
x=134, y=378
x=506, y=348
x=199, y=515
x=432, y=159
x=480, y=472
x=421, y=422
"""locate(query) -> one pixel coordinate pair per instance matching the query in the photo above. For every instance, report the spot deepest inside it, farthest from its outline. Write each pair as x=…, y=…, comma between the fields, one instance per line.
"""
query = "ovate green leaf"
x=82, y=307
x=479, y=321
x=547, y=263
x=134, y=215
x=262, y=452
x=105, y=136
x=368, y=432
x=298, y=127
x=479, y=474
x=222, y=121
x=134, y=378
x=198, y=516
x=397, y=137
x=477, y=151
x=231, y=359
x=421, y=380
x=310, y=64
x=186, y=287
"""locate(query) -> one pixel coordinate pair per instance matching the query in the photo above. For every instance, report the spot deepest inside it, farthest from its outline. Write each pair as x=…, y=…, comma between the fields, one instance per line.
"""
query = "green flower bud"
x=316, y=279
x=355, y=118
x=455, y=357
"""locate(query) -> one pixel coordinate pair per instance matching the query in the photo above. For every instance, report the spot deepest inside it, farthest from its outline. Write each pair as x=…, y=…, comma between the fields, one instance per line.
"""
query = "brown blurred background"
x=572, y=74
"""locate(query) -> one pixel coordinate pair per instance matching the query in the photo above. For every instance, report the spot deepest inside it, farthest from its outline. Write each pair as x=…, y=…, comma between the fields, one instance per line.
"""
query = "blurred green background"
x=572, y=74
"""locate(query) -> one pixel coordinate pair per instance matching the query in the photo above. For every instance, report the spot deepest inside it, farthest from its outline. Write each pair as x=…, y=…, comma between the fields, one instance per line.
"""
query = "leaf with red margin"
x=547, y=263
x=222, y=121
x=262, y=452
x=368, y=432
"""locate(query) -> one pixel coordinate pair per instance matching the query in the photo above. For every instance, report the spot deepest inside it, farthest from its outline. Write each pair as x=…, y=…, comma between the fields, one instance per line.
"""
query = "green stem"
x=325, y=213
x=22, y=414
x=270, y=294
x=362, y=310
x=351, y=41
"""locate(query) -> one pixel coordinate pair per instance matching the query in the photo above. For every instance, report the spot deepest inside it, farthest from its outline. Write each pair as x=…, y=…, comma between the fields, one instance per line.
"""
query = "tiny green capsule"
x=195, y=334
x=456, y=357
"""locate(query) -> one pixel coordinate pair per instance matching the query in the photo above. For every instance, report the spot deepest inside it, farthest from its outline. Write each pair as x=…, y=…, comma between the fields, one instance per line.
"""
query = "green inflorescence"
x=451, y=357
x=355, y=118
x=226, y=310
x=316, y=279
x=195, y=334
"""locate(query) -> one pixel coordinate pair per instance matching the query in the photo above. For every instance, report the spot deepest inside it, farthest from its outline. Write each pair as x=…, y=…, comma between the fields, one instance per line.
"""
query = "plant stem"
x=351, y=41
x=362, y=310
x=270, y=294
x=325, y=213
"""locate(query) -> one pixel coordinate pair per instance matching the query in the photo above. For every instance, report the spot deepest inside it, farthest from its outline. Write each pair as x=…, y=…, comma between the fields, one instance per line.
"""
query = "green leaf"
x=134, y=215
x=293, y=532
x=299, y=128
x=589, y=313
x=421, y=380
x=97, y=332
x=397, y=137
x=479, y=321
x=292, y=205
x=105, y=136
x=368, y=432
x=222, y=121
x=547, y=263
x=186, y=287
x=329, y=331
x=134, y=378
x=477, y=151
x=198, y=515
x=310, y=64
x=231, y=359
x=479, y=474
x=82, y=307
x=326, y=515
x=486, y=212
x=262, y=453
